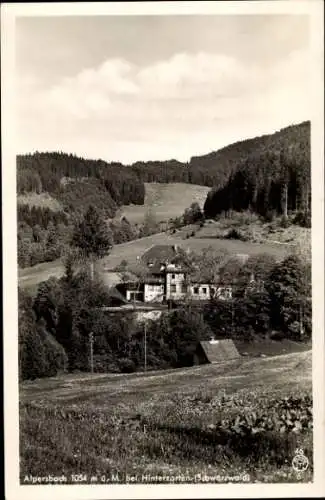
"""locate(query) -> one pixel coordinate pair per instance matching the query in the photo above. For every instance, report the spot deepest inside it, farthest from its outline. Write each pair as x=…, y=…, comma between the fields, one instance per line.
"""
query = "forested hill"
x=256, y=173
x=268, y=173
x=291, y=144
x=76, y=182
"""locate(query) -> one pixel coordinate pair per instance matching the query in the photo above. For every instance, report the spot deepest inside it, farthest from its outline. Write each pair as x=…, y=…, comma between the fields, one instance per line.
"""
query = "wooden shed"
x=215, y=351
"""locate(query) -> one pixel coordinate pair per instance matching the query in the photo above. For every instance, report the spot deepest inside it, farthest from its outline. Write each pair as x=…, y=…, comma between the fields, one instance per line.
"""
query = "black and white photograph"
x=163, y=249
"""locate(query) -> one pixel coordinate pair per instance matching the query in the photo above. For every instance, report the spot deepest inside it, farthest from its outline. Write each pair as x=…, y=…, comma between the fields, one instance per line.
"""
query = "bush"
x=234, y=234
x=32, y=357
x=269, y=216
x=56, y=356
x=126, y=365
x=277, y=336
x=302, y=219
x=103, y=363
x=284, y=222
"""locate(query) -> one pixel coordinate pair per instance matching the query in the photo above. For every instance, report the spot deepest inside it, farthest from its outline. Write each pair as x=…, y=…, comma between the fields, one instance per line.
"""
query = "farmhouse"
x=215, y=351
x=166, y=280
x=170, y=283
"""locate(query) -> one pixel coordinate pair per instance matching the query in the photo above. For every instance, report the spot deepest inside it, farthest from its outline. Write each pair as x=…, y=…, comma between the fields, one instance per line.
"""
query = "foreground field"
x=170, y=423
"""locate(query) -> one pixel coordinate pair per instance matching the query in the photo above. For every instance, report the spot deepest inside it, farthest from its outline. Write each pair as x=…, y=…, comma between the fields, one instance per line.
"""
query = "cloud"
x=171, y=108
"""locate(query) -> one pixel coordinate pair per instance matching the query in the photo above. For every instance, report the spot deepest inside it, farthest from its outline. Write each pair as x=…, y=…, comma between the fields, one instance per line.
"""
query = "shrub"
x=302, y=219
x=32, y=357
x=56, y=356
x=284, y=222
x=235, y=234
x=126, y=365
x=269, y=216
x=277, y=336
x=104, y=363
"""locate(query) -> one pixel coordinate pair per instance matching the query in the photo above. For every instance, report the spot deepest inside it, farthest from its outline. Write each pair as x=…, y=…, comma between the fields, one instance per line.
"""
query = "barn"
x=215, y=351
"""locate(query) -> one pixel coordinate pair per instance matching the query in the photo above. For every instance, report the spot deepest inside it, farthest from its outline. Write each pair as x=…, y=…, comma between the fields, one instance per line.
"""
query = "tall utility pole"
x=91, y=344
x=232, y=313
x=300, y=321
x=145, y=345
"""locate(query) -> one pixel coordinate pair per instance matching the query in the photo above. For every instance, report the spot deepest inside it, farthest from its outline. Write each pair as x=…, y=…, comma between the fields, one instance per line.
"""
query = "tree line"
x=54, y=172
x=45, y=235
x=274, y=177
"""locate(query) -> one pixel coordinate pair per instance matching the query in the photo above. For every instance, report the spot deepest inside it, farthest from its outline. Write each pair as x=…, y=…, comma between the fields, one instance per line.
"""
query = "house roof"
x=161, y=253
x=114, y=293
x=218, y=351
x=153, y=280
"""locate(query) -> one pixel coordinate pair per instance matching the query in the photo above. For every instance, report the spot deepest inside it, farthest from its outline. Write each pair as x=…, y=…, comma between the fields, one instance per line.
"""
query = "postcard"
x=163, y=257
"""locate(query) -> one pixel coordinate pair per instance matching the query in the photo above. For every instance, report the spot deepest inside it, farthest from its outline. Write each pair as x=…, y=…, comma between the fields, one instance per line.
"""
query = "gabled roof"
x=161, y=253
x=218, y=351
x=114, y=293
x=154, y=280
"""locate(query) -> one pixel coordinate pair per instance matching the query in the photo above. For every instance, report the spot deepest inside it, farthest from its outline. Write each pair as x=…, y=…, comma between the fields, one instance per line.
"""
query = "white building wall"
x=174, y=285
x=130, y=295
x=200, y=291
x=153, y=292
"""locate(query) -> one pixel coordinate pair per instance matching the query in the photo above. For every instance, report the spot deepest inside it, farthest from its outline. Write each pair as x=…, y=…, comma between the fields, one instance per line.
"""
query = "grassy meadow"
x=30, y=277
x=190, y=422
x=165, y=201
x=43, y=200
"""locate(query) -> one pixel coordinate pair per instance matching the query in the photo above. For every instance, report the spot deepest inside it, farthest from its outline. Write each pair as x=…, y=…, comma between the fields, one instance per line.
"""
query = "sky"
x=130, y=88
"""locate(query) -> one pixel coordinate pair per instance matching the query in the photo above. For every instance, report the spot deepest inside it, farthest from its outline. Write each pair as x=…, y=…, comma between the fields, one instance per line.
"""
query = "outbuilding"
x=215, y=351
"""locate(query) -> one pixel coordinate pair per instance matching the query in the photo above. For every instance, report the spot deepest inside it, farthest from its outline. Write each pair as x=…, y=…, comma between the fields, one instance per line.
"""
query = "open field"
x=259, y=232
x=165, y=201
x=165, y=423
x=101, y=390
x=44, y=200
x=31, y=276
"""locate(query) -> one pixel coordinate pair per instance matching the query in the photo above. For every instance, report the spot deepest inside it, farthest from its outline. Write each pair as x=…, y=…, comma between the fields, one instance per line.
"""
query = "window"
x=184, y=288
x=173, y=276
x=196, y=290
x=204, y=290
x=172, y=288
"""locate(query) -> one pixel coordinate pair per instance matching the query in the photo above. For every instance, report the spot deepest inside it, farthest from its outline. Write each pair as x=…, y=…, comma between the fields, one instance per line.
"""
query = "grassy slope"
x=169, y=200
x=156, y=423
x=44, y=200
x=281, y=373
x=165, y=201
x=259, y=232
x=30, y=277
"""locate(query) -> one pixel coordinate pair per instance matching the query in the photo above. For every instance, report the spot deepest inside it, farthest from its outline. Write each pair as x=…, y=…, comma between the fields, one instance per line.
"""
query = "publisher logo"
x=300, y=462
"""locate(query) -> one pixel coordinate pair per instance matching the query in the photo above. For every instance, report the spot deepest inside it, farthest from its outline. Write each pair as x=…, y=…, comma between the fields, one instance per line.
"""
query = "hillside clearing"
x=257, y=231
x=165, y=201
x=43, y=200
